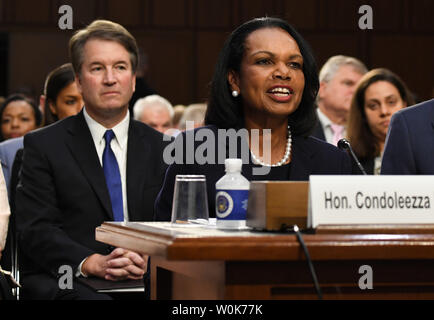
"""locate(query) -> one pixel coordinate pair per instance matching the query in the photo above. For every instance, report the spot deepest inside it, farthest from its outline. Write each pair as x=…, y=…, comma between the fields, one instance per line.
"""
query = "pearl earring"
x=235, y=93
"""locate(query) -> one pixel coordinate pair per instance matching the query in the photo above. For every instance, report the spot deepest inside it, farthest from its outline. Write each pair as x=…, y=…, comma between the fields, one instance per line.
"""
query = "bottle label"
x=231, y=204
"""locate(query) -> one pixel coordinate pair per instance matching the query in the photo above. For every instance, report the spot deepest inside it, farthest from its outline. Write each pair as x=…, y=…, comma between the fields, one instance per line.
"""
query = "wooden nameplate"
x=273, y=204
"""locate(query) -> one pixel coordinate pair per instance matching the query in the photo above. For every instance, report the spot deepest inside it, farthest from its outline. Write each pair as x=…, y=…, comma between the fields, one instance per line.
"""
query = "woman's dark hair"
x=225, y=111
x=363, y=141
x=20, y=97
x=55, y=82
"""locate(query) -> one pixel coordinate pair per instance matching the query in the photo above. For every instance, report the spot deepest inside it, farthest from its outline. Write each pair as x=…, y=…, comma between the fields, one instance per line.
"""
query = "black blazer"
x=309, y=156
x=409, y=145
x=62, y=196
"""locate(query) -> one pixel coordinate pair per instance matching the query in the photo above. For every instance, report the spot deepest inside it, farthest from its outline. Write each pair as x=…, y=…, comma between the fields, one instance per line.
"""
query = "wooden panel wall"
x=182, y=37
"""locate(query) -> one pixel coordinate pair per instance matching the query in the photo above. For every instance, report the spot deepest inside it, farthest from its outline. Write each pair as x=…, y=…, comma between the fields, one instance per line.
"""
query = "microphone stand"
x=343, y=144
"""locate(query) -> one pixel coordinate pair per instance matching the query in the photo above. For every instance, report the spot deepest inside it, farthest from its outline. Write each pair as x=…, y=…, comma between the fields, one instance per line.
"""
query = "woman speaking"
x=266, y=81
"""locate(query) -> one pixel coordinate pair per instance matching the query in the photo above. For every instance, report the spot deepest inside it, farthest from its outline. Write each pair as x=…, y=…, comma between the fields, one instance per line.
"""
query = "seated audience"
x=379, y=94
x=265, y=78
x=60, y=99
x=18, y=115
x=155, y=111
x=338, y=79
x=410, y=141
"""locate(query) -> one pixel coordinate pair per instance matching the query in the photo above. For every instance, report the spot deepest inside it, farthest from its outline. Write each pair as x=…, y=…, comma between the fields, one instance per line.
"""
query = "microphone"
x=343, y=144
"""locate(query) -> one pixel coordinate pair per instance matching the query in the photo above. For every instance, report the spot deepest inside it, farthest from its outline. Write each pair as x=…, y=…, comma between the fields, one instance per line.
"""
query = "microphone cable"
x=297, y=232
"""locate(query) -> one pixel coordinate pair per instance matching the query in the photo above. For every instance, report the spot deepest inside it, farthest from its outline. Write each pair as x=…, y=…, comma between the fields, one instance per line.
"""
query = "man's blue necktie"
x=113, y=177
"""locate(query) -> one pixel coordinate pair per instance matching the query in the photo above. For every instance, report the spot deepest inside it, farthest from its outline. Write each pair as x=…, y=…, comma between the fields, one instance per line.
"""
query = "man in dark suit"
x=338, y=80
x=409, y=145
x=96, y=166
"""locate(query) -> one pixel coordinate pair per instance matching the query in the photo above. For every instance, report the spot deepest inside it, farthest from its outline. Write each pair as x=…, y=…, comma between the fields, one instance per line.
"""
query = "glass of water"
x=190, y=200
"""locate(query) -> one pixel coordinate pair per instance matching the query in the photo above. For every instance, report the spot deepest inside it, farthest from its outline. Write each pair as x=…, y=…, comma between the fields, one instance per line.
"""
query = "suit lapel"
x=83, y=150
x=138, y=155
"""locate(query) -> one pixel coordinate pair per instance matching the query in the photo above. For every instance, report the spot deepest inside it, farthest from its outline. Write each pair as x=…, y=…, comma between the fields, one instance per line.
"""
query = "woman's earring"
x=235, y=93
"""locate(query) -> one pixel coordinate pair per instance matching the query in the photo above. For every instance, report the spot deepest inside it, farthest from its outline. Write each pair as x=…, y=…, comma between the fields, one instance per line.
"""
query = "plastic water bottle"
x=232, y=193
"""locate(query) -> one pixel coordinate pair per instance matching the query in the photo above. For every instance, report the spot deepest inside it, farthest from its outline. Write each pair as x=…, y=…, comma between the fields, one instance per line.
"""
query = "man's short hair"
x=333, y=64
x=103, y=30
x=151, y=101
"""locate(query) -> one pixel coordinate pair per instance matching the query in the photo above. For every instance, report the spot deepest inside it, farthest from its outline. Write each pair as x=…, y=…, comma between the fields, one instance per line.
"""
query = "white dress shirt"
x=377, y=164
x=119, y=146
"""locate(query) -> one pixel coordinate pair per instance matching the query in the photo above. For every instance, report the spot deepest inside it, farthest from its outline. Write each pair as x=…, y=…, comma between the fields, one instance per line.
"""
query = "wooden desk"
x=192, y=263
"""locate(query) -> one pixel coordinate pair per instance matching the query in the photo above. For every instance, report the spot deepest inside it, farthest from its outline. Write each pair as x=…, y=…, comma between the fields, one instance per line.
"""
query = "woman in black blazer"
x=265, y=83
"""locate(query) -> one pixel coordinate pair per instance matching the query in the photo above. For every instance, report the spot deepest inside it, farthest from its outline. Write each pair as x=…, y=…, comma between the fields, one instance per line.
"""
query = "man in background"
x=338, y=80
x=155, y=111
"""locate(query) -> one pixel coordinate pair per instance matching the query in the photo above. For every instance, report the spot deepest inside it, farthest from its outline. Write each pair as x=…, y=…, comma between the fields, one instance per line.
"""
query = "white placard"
x=370, y=200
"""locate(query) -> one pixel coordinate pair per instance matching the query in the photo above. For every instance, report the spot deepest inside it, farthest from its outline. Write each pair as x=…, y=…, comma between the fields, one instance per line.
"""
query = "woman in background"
x=379, y=94
x=62, y=98
x=19, y=115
